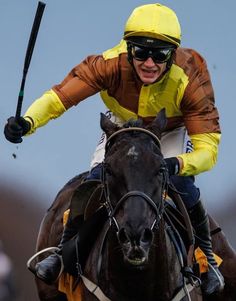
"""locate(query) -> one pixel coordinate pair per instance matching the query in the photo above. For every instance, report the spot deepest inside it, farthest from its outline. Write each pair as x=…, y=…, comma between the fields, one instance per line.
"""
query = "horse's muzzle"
x=135, y=247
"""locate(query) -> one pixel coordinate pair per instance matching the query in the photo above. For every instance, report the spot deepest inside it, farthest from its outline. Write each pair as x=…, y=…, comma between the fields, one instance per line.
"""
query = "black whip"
x=29, y=52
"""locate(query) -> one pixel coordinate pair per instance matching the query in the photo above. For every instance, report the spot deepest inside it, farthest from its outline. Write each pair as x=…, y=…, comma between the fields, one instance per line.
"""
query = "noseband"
x=112, y=210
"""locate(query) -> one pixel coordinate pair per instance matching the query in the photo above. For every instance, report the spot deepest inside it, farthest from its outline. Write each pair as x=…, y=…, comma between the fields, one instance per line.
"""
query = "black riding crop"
x=29, y=52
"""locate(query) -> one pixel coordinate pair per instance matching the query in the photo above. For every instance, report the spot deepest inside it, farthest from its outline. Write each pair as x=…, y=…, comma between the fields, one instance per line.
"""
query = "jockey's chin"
x=149, y=71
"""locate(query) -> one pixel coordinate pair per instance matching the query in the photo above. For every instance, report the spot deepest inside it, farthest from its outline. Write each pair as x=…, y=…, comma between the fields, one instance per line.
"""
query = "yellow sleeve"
x=203, y=157
x=43, y=109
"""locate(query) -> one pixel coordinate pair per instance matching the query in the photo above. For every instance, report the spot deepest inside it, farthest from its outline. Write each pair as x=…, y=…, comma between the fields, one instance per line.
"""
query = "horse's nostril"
x=122, y=236
x=146, y=236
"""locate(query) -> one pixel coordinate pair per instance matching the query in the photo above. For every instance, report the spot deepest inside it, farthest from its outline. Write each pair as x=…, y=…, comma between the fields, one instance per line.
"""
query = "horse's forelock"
x=133, y=123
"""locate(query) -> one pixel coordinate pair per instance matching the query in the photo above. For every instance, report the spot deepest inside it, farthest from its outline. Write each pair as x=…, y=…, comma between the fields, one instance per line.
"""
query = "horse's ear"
x=158, y=125
x=107, y=125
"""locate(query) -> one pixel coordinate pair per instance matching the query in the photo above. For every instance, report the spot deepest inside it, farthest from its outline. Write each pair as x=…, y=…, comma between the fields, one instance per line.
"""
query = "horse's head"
x=134, y=175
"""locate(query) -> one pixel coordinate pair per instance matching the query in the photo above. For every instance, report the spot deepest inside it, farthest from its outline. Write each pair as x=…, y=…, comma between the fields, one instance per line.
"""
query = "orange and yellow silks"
x=202, y=260
x=66, y=216
x=66, y=281
x=65, y=286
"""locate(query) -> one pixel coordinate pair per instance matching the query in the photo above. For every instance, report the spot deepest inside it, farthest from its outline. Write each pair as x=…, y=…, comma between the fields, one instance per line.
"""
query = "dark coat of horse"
x=135, y=262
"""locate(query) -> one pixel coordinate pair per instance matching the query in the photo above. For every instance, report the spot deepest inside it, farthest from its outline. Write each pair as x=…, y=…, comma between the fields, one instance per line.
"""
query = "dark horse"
x=134, y=256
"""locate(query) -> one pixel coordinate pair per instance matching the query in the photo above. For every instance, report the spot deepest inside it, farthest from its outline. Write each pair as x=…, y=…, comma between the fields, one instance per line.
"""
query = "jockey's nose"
x=149, y=62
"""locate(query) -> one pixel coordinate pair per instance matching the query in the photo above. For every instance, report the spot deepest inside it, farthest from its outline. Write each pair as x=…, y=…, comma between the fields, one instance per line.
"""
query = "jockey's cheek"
x=148, y=71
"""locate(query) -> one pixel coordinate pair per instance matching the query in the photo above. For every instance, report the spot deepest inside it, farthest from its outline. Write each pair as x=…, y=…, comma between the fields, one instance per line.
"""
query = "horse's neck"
x=160, y=278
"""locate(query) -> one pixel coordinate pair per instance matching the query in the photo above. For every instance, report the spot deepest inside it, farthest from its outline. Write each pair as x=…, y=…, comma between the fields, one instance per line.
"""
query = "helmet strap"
x=129, y=53
x=170, y=61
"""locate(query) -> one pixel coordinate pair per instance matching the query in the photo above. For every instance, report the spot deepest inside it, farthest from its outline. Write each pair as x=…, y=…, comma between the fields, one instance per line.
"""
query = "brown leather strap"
x=215, y=231
x=179, y=202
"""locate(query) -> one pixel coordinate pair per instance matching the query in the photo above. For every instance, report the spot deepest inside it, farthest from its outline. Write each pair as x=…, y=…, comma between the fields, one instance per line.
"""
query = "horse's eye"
x=161, y=170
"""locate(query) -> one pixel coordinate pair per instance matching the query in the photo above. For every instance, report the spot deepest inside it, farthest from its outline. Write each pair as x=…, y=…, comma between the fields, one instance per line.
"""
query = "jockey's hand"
x=15, y=129
x=173, y=165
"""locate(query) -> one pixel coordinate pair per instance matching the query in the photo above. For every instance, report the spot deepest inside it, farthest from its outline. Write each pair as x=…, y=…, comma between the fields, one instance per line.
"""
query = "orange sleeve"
x=198, y=104
x=88, y=78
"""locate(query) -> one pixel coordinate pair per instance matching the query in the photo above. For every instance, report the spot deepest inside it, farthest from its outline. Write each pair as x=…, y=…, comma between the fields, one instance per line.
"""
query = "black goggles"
x=159, y=55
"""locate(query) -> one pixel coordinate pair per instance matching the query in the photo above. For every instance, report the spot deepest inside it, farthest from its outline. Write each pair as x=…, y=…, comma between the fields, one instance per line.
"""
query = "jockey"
x=145, y=72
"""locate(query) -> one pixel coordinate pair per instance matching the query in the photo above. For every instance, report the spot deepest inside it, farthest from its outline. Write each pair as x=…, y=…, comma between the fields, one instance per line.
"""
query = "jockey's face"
x=149, y=71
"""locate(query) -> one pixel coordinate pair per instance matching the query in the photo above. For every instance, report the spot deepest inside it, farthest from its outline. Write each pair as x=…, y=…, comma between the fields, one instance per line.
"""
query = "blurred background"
x=32, y=172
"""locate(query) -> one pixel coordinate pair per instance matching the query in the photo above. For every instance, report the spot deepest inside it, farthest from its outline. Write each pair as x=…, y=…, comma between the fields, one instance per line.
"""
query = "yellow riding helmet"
x=154, y=21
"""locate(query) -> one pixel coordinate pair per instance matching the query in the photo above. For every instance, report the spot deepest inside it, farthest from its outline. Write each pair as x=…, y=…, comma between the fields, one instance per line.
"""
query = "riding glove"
x=172, y=165
x=16, y=128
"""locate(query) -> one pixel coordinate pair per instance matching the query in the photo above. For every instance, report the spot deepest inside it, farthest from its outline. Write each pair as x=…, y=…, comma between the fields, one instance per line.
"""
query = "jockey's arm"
x=204, y=156
x=83, y=81
x=43, y=109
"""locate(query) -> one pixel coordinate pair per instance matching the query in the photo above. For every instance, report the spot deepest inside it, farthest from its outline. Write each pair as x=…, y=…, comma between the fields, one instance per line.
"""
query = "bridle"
x=111, y=209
